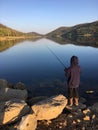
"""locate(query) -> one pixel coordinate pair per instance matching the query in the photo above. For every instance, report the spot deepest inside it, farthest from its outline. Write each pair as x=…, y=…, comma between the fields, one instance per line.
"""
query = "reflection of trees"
x=5, y=44
x=79, y=40
x=82, y=34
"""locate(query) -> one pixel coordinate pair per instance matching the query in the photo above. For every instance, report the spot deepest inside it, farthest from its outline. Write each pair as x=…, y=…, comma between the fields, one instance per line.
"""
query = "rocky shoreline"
x=18, y=112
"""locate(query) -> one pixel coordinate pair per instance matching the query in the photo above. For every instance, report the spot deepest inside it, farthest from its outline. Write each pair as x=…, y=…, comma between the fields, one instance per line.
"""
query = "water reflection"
x=32, y=63
x=83, y=41
x=5, y=44
x=8, y=43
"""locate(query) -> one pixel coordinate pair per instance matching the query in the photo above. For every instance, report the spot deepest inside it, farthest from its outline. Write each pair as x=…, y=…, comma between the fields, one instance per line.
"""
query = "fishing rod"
x=56, y=56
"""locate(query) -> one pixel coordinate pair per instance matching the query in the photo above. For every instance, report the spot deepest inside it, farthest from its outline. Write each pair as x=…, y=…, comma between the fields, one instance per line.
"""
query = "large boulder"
x=12, y=110
x=28, y=122
x=20, y=86
x=3, y=83
x=8, y=93
x=50, y=108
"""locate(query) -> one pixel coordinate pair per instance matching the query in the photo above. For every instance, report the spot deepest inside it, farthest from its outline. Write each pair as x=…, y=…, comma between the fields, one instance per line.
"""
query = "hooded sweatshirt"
x=73, y=73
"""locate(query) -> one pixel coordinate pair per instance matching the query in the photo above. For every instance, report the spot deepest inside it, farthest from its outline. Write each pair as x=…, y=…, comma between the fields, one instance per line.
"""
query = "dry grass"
x=11, y=38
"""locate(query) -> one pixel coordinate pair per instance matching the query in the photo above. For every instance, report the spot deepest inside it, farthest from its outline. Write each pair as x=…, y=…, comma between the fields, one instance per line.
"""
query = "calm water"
x=33, y=63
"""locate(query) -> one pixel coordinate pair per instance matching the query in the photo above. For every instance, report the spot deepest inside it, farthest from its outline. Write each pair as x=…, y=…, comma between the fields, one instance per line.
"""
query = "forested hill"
x=84, y=30
x=6, y=31
x=58, y=32
x=83, y=33
x=87, y=32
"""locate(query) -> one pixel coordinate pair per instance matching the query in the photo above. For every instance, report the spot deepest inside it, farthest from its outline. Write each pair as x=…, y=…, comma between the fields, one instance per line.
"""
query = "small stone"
x=86, y=118
x=60, y=127
x=65, y=123
x=48, y=122
x=74, y=122
x=83, y=128
x=78, y=120
x=70, y=115
x=93, y=116
x=86, y=111
x=61, y=123
x=82, y=100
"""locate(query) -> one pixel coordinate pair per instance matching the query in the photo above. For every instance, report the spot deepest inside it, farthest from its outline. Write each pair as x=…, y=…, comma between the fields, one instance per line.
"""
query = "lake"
x=36, y=63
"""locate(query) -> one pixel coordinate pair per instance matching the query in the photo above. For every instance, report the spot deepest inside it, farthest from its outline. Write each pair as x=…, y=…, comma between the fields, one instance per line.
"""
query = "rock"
x=86, y=118
x=20, y=86
x=82, y=100
x=87, y=111
x=2, y=105
x=93, y=116
x=74, y=122
x=12, y=110
x=3, y=83
x=8, y=93
x=50, y=108
x=48, y=122
x=78, y=120
x=95, y=107
x=81, y=106
x=75, y=108
x=28, y=122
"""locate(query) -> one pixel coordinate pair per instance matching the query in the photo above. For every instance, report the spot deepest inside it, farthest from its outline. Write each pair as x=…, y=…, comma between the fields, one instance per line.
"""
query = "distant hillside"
x=33, y=34
x=82, y=33
x=58, y=32
x=85, y=34
x=6, y=31
x=82, y=30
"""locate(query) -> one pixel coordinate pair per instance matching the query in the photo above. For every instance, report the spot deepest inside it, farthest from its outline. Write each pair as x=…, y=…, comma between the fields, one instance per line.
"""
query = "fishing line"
x=56, y=56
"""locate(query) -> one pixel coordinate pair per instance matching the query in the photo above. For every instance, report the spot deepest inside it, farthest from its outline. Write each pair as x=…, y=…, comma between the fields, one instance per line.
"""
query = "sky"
x=44, y=16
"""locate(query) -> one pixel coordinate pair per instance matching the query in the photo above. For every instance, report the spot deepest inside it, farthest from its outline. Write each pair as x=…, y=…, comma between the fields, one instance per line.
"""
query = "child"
x=73, y=80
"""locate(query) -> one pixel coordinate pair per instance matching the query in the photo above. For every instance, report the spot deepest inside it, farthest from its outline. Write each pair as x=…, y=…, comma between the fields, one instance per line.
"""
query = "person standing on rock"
x=73, y=80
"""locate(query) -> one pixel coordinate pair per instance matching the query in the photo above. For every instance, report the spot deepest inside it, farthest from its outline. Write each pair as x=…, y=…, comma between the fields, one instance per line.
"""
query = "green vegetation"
x=57, y=32
x=7, y=44
x=84, y=34
x=7, y=33
x=10, y=37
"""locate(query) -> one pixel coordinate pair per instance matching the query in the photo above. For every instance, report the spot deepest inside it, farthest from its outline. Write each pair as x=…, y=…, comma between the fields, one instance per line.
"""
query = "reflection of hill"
x=92, y=41
x=5, y=44
x=83, y=34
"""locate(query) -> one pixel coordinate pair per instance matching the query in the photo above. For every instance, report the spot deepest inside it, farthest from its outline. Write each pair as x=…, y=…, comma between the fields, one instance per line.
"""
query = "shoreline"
x=8, y=38
x=43, y=113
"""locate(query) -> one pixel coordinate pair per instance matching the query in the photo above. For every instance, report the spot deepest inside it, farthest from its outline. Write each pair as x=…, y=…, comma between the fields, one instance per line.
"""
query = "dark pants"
x=73, y=93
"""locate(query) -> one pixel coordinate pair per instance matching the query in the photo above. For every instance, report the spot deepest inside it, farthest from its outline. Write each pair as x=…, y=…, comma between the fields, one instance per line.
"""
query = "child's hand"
x=65, y=69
